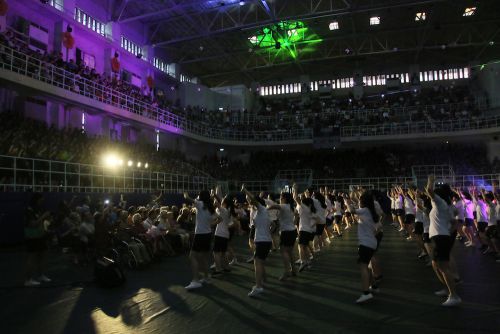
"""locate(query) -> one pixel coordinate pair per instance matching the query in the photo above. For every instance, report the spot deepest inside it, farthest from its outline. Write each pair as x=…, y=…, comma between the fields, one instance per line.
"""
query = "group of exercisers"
x=432, y=217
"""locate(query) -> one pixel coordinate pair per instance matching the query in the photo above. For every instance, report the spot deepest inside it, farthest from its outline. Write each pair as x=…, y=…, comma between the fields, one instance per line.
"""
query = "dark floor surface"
x=320, y=300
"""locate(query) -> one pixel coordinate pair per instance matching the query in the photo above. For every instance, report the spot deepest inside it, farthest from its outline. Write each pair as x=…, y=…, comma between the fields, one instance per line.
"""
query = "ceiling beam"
x=347, y=10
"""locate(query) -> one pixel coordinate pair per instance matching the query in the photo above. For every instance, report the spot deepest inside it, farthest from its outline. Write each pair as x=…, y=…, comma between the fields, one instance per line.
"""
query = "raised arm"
x=295, y=194
x=250, y=196
x=187, y=198
x=429, y=188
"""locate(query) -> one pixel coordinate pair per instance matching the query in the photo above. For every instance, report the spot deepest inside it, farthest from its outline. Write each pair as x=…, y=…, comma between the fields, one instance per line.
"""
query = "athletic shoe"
x=193, y=285
x=375, y=290
x=442, y=293
x=363, y=298
x=469, y=244
x=422, y=255
x=44, y=279
x=488, y=251
x=452, y=301
x=311, y=257
x=302, y=267
x=409, y=238
x=250, y=260
x=205, y=281
x=401, y=229
x=233, y=262
x=212, y=266
x=31, y=283
x=298, y=262
x=255, y=291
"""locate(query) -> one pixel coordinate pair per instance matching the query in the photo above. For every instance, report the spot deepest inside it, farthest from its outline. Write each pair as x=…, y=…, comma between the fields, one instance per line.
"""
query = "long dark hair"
x=366, y=201
x=228, y=202
x=444, y=191
x=321, y=199
x=288, y=198
x=309, y=203
x=208, y=204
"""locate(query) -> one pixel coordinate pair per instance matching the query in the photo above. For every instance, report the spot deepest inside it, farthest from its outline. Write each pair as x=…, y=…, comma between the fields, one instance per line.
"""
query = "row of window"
x=368, y=80
x=164, y=67
x=131, y=47
x=90, y=22
x=185, y=78
x=57, y=4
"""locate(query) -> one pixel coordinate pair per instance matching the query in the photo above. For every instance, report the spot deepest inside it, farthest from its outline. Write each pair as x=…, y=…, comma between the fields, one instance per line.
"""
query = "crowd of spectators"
x=323, y=115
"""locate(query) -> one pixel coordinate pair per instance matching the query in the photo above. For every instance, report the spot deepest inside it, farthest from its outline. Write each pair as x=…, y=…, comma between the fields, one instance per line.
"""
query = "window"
x=420, y=16
x=157, y=140
x=89, y=22
x=374, y=20
x=164, y=67
x=89, y=60
x=333, y=25
x=469, y=11
x=185, y=78
x=57, y=4
x=131, y=47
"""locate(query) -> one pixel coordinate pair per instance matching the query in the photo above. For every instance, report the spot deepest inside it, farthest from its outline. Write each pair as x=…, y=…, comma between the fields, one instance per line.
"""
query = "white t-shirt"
x=399, y=202
x=492, y=215
x=366, y=228
x=409, y=206
x=460, y=209
x=469, y=209
x=306, y=220
x=222, y=229
x=481, y=211
x=262, y=224
x=440, y=217
x=338, y=208
x=286, y=218
x=329, y=208
x=253, y=212
x=273, y=214
x=203, y=219
x=320, y=211
x=393, y=203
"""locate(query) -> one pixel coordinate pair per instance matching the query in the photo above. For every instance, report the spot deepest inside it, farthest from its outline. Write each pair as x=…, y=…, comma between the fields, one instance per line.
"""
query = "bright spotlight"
x=120, y=162
x=146, y=165
x=130, y=163
x=110, y=160
x=139, y=164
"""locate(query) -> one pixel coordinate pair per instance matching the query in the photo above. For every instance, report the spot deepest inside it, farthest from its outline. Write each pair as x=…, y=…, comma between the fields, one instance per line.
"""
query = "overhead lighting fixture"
x=334, y=25
x=420, y=16
x=469, y=11
x=374, y=20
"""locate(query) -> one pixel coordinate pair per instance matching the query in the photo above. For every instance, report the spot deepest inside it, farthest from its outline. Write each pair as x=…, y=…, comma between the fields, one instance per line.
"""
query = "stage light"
x=110, y=160
x=469, y=11
x=146, y=165
x=120, y=162
x=106, y=201
x=374, y=20
x=491, y=43
x=420, y=16
x=221, y=149
x=130, y=163
x=242, y=3
x=139, y=164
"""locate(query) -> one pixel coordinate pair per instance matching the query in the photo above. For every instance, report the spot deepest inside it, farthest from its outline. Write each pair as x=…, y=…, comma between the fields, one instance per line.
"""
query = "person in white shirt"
x=491, y=231
x=482, y=218
x=409, y=221
x=337, y=214
x=469, y=208
x=307, y=226
x=439, y=233
x=392, y=197
x=320, y=205
x=288, y=234
x=367, y=218
x=399, y=203
x=329, y=215
x=274, y=216
x=200, y=250
x=225, y=210
x=263, y=240
x=418, y=230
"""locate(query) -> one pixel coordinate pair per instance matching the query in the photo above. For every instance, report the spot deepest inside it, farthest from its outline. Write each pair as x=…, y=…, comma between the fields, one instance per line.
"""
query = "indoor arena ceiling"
x=227, y=42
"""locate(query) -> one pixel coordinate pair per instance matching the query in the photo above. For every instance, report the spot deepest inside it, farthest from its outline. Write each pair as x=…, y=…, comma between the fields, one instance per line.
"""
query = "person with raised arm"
x=491, y=231
x=307, y=226
x=262, y=240
x=200, y=250
x=225, y=210
x=439, y=232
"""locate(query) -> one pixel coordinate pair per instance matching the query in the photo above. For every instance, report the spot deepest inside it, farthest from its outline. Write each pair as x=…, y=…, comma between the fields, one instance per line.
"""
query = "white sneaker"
x=233, y=262
x=298, y=262
x=401, y=229
x=44, y=279
x=213, y=266
x=409, y=239
x=470, y=244
x=31, y=283
x=442, y=293
x=193, y=285
x=467, y=243
x=452, y=301
x=311, y=257
x=205, y=281
x=255, y=291
x=363, y=298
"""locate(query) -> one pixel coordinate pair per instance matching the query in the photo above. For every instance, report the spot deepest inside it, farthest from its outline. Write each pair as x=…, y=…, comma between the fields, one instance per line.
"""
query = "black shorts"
x=492, y=232
x=459, y=222
x=400, y=212
x=287, y=238
x=201, y=242
x=481, y=226
x=231, y=232
x=453, y=236
x=379, y=237
x=36, y=245
x=365, y=254
x=442, y=247
x=305, y=237
x=469, y=222
x=474, y=214
x=262, y=249
x=425, y=238
x=338, y=219
x=319, y=229
x=220, y=244
x=409, y=219
x=393, y=212
x=419, y=228
x=329, y=221
x=251, y=236
x=348, y=214
x=273, y=228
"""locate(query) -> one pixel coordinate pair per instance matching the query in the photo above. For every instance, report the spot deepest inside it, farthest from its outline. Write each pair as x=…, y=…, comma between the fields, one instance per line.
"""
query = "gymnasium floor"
x=321, y=300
